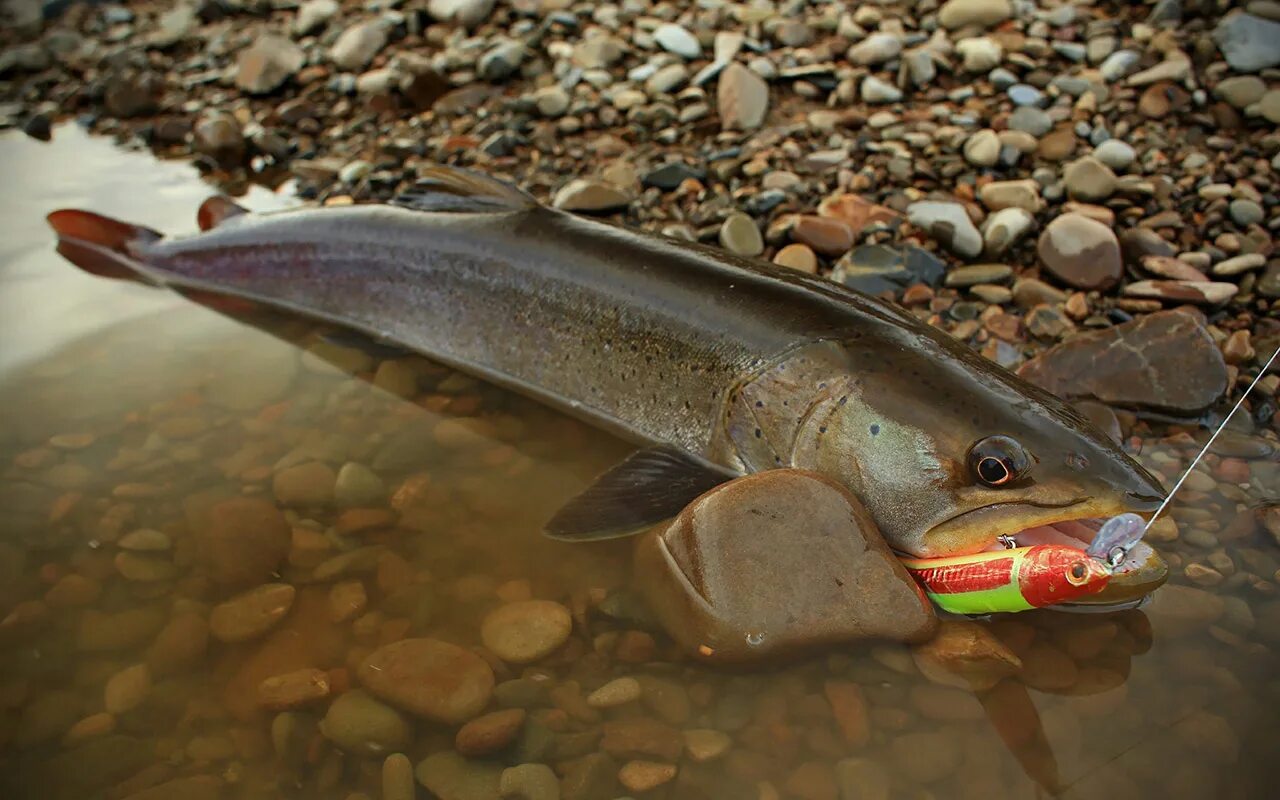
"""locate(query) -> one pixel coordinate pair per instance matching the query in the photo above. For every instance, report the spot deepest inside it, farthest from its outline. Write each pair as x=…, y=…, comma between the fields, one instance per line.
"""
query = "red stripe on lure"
x=1009, y=580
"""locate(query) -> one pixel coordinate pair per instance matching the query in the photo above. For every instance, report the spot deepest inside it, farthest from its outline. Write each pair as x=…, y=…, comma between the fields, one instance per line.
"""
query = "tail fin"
x=100, y=245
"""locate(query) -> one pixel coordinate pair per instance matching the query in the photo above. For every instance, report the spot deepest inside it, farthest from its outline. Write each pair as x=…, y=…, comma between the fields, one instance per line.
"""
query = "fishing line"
x=1208, y=444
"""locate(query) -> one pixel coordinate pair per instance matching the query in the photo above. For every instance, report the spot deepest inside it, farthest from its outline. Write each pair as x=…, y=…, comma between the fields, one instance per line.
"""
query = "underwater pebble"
x=526, y=631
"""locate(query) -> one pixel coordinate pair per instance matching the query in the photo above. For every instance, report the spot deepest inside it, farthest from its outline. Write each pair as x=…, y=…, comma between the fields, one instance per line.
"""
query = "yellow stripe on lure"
x=1009, y=580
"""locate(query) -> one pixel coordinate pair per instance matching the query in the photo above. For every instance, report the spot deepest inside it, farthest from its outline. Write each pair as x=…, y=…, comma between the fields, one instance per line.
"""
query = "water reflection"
x=143, y=433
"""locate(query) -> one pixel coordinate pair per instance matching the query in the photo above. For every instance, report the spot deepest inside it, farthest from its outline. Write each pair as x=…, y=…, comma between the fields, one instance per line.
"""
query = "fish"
x=713, y=364
x=1018, y=579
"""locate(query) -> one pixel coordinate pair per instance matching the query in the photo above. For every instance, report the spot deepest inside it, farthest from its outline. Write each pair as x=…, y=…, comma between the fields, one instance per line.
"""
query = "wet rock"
x=265, y=65
x=217, y=134
x=293, y=689
x=675, y=39
x=582, y=194
x=309, y=484
x=949, y=224
x=468, y=13
x=1023, y=194
x=671, y=175
x=874, y=90
x=180, y=645
x=1165, y=361
x=1080, y=252
x=642, y=738
x=358, y=45
x=489, y=733
x=849, y=708
x=739, y=234
x=706, y=575
x=702, y=744
x=1182, y=610
x=126, y=689
x=529, y=782
x=1088, y=179
x=875, y=49
x=1005, y=228
x=101, y=632
x=617, y=692
x=982, y=149
x=359, y=724
x=798, y=257
x=243, y=541
x=979, y=13
x=526, y=631
x=251, y=614
x=1208, y=293
x=830, y=237
x=130, y=94
x=358, y=486
x=1249, y=43
x=1115, y=154
x=449, y=776
x=926, y=757
x=644, y=776
x=397, y=778
x=862, y=779
x=967, y=655
x=313, y=14
x=1241, y=91
x=430, y=678
x=742, y=98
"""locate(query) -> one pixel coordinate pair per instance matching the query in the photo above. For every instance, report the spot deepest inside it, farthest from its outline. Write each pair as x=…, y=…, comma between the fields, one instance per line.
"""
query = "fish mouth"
x=1074, y=524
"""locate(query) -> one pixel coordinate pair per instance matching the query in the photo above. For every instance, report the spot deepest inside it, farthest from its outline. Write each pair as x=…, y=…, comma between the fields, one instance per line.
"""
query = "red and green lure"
x=1019, y=579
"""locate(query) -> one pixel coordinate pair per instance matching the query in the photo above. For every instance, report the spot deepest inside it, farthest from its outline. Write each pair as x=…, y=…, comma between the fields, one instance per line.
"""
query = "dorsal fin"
x=217, y=210
x=441, y=188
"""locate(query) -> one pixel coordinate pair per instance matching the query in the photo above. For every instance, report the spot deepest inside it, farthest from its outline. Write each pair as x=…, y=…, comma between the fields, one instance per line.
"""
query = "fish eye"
x=1077, y=573
x=998, y=461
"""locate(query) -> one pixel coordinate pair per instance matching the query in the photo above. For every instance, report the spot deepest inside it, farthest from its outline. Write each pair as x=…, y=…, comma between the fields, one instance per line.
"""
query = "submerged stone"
x=713, y=575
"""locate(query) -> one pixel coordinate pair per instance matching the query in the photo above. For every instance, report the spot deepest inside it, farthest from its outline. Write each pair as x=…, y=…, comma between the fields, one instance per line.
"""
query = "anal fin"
x=648, y=487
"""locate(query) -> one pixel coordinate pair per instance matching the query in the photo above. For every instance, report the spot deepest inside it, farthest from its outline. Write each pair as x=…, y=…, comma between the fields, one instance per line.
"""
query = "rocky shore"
x=320, y=576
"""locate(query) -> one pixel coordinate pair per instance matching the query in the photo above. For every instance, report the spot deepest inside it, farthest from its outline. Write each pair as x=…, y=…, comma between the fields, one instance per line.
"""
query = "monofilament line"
x=1212, y=438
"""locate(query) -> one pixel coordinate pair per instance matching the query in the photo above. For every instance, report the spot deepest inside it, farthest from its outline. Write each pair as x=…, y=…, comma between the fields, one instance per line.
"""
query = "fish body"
x=1018, y=579
x=718, y=364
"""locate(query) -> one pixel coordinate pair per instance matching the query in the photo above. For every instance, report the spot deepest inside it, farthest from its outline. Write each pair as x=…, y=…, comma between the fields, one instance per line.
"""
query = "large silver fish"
x=716, y=365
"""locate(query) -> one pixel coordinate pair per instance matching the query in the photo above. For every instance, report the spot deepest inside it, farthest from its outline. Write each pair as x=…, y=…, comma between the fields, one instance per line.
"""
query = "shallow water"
x=129, y=409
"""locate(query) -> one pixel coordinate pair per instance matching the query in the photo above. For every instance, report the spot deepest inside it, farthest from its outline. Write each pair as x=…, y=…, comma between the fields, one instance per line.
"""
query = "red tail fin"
x=99, y=244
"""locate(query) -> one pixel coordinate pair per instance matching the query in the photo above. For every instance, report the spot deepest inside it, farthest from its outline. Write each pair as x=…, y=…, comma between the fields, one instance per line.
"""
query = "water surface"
x=128, y=409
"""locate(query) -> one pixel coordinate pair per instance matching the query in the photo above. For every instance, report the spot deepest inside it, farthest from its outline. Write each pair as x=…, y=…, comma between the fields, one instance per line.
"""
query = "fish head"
x=950, y=452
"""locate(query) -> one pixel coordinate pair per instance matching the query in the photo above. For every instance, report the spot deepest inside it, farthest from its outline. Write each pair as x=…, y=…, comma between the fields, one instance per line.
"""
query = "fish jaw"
x=1074, y=524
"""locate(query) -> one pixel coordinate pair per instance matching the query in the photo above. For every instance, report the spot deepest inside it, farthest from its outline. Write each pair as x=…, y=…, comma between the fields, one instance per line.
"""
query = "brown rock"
x=1164, y=361
x=641, y=737
x=967, y=655
x=641, y=776
x=309, y=484
x=1162, y=98
x=251, y=614
x=527, y=630
x=831, y=237
x=430, y=678
x=798, y=257
x=857, y=212
x=181, y=644
x=293, y=689
x=489, y=733
x=850, y=709
x=742, y=97
x=244, y=540
x=267, y=63
x=712, y=575
x=1081, y=252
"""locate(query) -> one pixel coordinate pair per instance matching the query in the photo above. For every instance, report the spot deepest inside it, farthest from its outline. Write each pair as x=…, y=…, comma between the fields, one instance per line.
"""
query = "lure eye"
x=998, y=461
x=1077, y=574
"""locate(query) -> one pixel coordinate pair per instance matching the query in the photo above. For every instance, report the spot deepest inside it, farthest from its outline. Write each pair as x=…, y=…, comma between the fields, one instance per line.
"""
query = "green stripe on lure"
x=1023, y=578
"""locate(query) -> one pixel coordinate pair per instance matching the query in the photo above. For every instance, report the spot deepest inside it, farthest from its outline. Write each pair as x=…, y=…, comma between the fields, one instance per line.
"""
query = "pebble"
x=243, y=541
x=675, y=39
x=357, y=486
x=875, y=90
x=265, y=65
x=875, y=49
x=449, y=776
x=1080, y=252
x=742, y=98
x=526, y=631
x=587, y=195
x=313, y=14
x=1005, y=228
x=357, y=723
x=980, y=54
x=1237, y=265
x=982, y=149
x=293, y=689
x=1249, y=43
x=1023, y=194
x=251, y=614
x=358, y=44
x=529, y=782
x=739, y=234
x=489, y=733
x=798, y=257
x=397, y=778
x=616, y=692
x=429, y=678
x=1089, y=179
x=1246, y=212
x=949, y=224
x=830, y=237
x=309, y=484
x=644, y=776
x=704, y=744
x=1115, y=154
x=978, y=13
x=127, y=689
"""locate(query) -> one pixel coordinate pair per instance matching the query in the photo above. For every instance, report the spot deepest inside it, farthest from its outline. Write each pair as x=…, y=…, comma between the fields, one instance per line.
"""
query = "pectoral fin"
x=650, y=486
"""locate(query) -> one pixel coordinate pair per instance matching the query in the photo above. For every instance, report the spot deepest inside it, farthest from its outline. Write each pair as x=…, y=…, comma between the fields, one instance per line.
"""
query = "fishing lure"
x=1019, y=579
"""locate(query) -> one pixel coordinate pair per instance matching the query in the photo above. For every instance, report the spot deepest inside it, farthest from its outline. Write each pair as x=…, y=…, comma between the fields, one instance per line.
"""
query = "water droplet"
x=755, y=639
